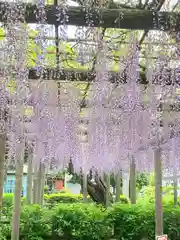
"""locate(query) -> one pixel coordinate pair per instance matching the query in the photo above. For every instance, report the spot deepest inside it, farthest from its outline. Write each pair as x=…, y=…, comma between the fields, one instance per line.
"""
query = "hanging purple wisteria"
x=117, y=130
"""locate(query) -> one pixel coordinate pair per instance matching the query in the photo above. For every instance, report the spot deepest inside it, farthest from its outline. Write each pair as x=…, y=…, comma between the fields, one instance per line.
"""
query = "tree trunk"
x=158, y=192
x=2, y=167
x=133, y=182
x=17, y=196
x=29, y=180
x=118, y=186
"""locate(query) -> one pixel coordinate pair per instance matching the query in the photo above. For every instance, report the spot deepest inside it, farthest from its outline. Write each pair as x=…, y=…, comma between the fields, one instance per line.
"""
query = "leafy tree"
x=142, y=180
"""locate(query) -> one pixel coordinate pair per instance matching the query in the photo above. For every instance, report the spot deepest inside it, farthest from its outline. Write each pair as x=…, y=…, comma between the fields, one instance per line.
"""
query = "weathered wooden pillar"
x=29, y=179
x=2, y=166
x=125, y=187
x=158, y=192
x=133, y=181
x=175, y=185
x=175, y=180
x=17, y=195
x=42, y=184
x=107, y=184
x=35, y=186
x=85, y=192
x=118, y=185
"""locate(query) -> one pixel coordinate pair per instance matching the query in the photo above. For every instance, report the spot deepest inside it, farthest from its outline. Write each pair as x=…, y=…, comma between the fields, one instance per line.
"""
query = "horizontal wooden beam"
x=78, y=75
x=88, y=76
x=106, y=18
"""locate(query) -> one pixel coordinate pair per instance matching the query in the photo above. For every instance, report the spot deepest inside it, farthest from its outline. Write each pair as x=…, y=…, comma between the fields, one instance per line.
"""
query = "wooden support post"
x=17, y=195
x=85, y=192
x=175, y=181
x=29, y=179
x=118, y=185
x=133, y=182
x=107, y=183
x=35, y=187
x=175, y=185
x=2, y=167
x=126, y=181
x=158, y=192
x=42, y=183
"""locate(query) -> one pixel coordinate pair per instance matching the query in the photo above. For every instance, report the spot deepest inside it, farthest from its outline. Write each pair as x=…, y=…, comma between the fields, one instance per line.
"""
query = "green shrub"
x=136, y=222
x=8, y=199
x=56, y=198
x=132, y=222
x=52, y=199
x=88, y=221
x=70, y=221
x=64, y=197
x=65, y=190
x=124, y=199
x=2, y=237
x=80, y=221
x=46, y=189
x=5, y=229
x=35, y=222
x=7, y=205
x=147, y=195
x=172, y=222
x=142, y=180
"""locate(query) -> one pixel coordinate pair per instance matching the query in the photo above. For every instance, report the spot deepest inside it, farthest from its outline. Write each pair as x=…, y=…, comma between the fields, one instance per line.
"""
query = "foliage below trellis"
x=87, y=221
x=141, y=180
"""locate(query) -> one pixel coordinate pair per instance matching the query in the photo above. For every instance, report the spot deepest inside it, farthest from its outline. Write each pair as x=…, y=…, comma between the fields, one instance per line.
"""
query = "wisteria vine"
x=118, y=129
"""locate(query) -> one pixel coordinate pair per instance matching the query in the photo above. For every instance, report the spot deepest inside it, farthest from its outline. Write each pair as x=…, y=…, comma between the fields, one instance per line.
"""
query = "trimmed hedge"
x=52, y=199
x=56, y=198
x=87, y=222
x=62, y=198
x=135, y=222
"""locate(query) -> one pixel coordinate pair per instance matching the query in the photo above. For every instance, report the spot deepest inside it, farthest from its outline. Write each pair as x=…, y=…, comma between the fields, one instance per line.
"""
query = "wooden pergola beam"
x=88, y=76
x=78, y=75
x=105, y=18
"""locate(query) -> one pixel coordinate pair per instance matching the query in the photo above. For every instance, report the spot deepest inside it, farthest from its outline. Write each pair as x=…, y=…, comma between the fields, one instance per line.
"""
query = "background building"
x=9, y=183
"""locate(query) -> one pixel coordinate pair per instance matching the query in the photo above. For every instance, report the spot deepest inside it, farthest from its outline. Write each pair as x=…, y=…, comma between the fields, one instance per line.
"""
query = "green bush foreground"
x=88, y=221
x=64, y=216
x=56, y=198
